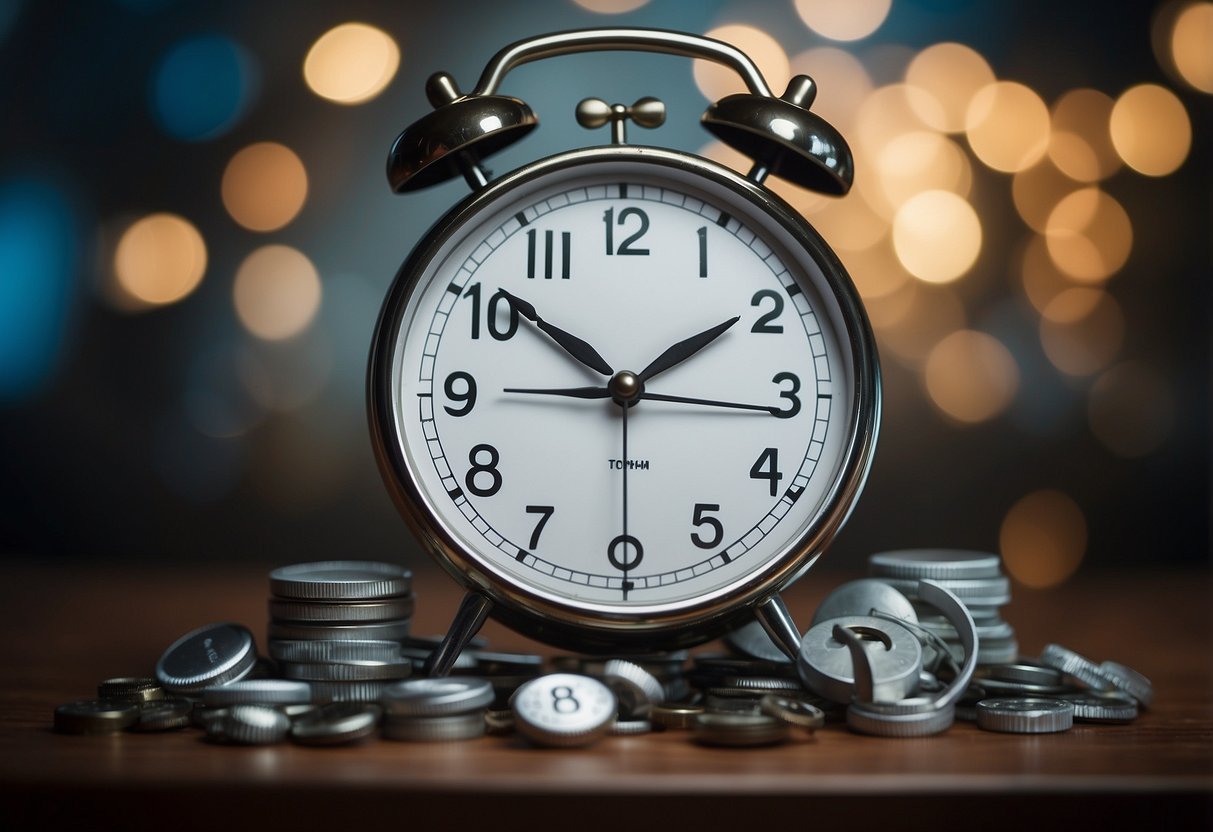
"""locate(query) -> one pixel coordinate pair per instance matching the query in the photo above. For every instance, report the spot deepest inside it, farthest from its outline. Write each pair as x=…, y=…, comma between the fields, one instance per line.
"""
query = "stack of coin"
x=974, y=577
x=433, y=710
x=338, y=626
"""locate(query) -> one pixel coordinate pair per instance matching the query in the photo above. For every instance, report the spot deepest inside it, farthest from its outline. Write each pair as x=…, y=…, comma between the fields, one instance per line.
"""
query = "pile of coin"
x=339, y=624
x=342, y=655
x=975, y=578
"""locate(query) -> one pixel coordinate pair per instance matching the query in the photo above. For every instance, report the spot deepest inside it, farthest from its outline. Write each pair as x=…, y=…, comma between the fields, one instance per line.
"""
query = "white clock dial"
x=513, y=430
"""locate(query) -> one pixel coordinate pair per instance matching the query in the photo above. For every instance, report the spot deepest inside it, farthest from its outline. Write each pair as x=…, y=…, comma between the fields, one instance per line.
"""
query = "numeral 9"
x=468, y=396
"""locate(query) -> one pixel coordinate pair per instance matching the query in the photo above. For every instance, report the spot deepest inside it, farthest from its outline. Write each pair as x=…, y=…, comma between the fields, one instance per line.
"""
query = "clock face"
x=623, y=385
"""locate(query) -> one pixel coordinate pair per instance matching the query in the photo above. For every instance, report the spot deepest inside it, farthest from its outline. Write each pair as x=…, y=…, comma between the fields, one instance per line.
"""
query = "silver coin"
x=95, y=716
x=348, y=671
x=299, y=710
x=340, y=580
x=499, y=723
x=338, y=723
x=935, y=564
x=450, y=728
x=630, y=727
x=1025, y=716
x=861, y=597
x=868, y=718
x=738, y=730
x=348, y=612
x=436, y=697
x=793, y=710
x=762, y=684
x=365, y=691
x=377, y=631
x=1072, y=664
x=258, y=692
x=164, y=715
x=994, y=591
x=732, y=701
x=1112, y=708
x=320, y=650
x=1006, y=689
x=1032, y=674
x=636, y=689
x=753, y=640
x=825, y=664
x=1129, y=681
x=563, y=710
x=212, y=655
x=133, y=689
x=250, y=725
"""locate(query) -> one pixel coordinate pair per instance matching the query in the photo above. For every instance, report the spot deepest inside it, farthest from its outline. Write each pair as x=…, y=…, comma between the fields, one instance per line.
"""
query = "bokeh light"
x=852, y=20
x=716, y=81
x=1043, y=539
x=970, y=376
x=610, y=6
x=911, y=320
x=951, y=74
x=160, y=259
x=1150, y=129
x=37, y=271
x=890, y=111
x=1040, y=278
x=351, y=63
x=1082, y=331
x=1036, y=192
x=264, y=186
x=1089, y=235
x=1192, y=45
x=1131, y=409
x=1081, y=145
x=912, y=163
x=277, y=292
x=875, y=270
x=1008, y=126
x=203, y=87
x=937, y=236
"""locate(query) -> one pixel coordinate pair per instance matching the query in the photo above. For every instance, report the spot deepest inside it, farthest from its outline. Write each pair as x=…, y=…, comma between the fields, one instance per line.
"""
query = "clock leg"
x=469, y=618
x=775, y=618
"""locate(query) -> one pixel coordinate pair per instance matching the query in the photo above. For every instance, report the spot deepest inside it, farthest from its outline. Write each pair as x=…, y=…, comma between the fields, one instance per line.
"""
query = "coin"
x=388, y=609
x=1072, y=664
x=376, y=631
x=258, y=692
x=903, y=723
x=1113, y=708
x=1128, y=680
x=563, y=710
x=212, y=655
x=338, y=723
x=635, y=688
x=450, y=728
x=793, y=710
x=365, y=691
x=340, y=580
x=630, y=727
x=436, y=697
x=738, y=730
x=1025, y=716
x=674, y=717
x=249, y=725
x=133, y=689
x=321, y=650
x=936, y=564
x=164, y=715
x=348, y=671
x=95, y=716
x=1032, y=674
x=861, y=597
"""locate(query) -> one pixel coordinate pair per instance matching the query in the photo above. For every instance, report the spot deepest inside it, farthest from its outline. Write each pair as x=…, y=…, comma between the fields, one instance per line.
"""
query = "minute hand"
x=568, y=342
x=661, y=397
x=684, y=349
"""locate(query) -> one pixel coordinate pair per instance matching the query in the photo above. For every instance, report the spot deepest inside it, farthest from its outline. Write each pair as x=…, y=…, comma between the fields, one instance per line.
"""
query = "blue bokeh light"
x=204, y=86
x=37, y=266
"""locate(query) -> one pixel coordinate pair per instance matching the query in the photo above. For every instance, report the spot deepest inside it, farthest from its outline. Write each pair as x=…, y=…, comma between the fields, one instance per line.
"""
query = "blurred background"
x=196, y=233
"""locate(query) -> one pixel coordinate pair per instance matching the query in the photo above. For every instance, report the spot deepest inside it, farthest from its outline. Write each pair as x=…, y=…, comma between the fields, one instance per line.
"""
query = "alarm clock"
x=623, y=395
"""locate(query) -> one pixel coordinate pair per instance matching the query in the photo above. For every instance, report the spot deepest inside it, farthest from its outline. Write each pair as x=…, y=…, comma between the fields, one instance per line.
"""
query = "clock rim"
x=674, y=624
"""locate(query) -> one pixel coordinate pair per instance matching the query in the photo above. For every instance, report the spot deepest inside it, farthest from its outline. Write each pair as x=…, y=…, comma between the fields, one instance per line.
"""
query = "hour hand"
x=569, y=392
x=570, y=343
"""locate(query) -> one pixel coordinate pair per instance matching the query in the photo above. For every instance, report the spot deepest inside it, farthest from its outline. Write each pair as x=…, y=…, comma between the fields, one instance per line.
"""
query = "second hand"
x=626, y=561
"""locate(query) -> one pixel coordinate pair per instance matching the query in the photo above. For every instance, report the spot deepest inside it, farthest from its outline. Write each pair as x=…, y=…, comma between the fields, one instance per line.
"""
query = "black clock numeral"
x=703, y=251
x=608, y=219
x=468, y=396
x=499, y=331
x=763, y=324
x=566, y=245
x=489, y=468
x=700, y=518
x=563, y=700
x=790, y=395
x=766, y=467
x=545, y=514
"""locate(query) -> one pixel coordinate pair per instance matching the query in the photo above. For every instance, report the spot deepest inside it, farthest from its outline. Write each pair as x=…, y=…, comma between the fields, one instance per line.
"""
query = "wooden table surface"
x=71, y=625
